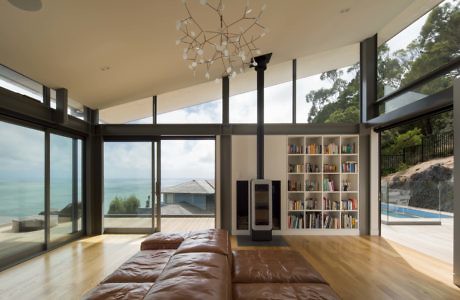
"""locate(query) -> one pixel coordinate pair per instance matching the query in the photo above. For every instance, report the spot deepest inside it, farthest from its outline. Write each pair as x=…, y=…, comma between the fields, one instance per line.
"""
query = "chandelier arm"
x=230, y=48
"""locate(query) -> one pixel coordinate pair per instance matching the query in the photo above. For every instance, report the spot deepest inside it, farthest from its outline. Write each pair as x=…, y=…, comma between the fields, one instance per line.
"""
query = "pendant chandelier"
x=225, y=49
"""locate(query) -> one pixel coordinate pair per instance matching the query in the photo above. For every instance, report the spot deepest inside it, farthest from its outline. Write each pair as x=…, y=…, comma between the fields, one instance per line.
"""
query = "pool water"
x=406, y=212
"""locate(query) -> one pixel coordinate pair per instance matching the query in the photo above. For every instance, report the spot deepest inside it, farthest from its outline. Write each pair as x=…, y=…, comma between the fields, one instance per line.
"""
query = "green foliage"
x=437, y=44
x=120, y=205
x=403, y=140
x=342, y=96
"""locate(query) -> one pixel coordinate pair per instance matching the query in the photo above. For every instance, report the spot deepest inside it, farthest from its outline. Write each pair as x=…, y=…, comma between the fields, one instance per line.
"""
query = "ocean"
x=26, y=198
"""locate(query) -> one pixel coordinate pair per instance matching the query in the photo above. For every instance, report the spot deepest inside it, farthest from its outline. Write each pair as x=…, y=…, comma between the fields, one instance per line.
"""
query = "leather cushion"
x=313, y=291
x=161, y=240
x=280, y=266
x=118, y=291
x=211, y=240
x=145, y=266
x=192, y=276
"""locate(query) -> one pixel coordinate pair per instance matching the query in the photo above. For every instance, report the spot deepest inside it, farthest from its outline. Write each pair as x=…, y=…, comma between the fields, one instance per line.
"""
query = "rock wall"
x=430, y=184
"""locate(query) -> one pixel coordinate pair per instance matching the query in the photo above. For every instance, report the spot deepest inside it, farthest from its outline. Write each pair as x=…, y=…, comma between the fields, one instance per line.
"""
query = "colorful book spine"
x=349, y=167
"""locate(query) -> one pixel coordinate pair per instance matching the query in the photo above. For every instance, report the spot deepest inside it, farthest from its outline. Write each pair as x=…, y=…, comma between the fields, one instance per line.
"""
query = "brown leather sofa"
x=201, y=265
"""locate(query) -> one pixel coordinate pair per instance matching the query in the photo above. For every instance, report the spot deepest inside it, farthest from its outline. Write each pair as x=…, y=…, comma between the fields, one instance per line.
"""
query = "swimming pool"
x=397, y=211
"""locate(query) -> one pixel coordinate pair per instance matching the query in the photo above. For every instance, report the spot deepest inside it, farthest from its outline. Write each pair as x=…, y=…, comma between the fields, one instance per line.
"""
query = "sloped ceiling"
x=67, y=42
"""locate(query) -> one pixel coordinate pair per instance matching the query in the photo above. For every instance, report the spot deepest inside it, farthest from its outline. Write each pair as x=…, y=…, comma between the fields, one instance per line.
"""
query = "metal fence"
x=432, y=146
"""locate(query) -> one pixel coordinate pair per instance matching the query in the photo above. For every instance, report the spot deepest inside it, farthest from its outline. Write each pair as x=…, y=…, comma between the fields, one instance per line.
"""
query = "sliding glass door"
x=160, y=185
x=22, y=192
x=417, y=199
x=65, y=187
x=41, y=191
x=129, y=186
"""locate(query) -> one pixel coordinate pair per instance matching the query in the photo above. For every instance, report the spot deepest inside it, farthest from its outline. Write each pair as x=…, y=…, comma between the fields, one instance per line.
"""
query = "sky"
x=22, y=156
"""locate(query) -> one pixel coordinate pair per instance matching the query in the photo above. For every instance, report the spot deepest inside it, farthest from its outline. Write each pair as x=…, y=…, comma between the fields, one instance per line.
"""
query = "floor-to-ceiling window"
x=22, y=192
x=65, y=186
x=23, y=230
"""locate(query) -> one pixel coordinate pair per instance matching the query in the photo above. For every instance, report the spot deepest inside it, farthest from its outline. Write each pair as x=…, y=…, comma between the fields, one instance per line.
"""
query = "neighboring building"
x=199, y=193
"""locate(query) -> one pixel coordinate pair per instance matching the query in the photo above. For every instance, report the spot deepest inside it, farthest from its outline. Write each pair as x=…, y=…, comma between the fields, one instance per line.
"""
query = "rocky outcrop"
x=430, y=184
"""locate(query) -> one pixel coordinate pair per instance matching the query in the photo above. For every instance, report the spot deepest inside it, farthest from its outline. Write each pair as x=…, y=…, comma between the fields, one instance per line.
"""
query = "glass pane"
x=65, y=201
x=187, y=185
x=197, y=104
x=22, y=192
x=243, y=98
x=329, y=97
x=278, y=93
x=427, y=44
x=127, y=184
x=413, y=95
x=18, y=83
x=209, y=112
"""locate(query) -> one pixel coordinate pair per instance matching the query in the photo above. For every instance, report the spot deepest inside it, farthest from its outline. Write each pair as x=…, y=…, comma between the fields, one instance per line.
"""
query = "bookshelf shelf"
x=325, y=173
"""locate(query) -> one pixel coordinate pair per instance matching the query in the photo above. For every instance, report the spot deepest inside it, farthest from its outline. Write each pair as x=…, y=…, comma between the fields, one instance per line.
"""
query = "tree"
x=404, y=140
x=437, y=44
x=343, y=95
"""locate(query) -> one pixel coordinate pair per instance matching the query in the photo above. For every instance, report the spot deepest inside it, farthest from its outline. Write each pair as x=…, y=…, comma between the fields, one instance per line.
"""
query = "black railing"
x=432, y=146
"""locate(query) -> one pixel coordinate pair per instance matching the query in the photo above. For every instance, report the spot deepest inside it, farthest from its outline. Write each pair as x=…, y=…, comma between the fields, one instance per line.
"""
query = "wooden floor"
x=356, y=268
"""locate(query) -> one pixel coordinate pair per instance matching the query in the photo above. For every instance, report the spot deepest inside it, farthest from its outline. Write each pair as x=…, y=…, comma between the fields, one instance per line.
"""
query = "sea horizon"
x=21, y=198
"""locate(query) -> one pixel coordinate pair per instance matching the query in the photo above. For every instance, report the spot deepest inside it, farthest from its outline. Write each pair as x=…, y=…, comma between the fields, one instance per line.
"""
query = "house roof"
x=195, y=186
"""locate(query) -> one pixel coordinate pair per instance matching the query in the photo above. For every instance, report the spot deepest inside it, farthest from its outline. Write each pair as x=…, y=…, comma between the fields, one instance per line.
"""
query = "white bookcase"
x=323, y=184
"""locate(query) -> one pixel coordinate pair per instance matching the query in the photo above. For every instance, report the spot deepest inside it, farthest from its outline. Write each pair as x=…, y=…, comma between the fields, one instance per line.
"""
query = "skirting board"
x=457, y=279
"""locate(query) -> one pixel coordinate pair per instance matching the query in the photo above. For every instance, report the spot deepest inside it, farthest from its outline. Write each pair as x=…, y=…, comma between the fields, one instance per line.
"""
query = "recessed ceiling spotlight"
x=27, y=5
x=105, y=68
x=345, y=10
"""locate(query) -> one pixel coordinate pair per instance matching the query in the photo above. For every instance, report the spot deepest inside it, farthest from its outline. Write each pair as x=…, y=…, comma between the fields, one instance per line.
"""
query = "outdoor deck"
x=12, y=242
x=433, y=240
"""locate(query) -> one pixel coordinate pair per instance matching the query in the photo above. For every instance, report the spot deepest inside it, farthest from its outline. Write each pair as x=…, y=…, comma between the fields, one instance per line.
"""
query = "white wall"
x=244, y=166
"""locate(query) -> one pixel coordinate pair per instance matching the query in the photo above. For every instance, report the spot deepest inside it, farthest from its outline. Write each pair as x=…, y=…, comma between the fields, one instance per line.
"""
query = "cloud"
x=22, y=155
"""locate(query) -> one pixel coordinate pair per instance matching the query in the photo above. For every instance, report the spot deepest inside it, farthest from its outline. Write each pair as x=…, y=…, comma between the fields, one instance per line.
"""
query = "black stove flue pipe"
x=260, y=68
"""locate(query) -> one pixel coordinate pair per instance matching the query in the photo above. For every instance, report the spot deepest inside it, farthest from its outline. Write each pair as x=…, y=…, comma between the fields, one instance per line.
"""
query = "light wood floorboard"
x=374, y=268
x=355, y=267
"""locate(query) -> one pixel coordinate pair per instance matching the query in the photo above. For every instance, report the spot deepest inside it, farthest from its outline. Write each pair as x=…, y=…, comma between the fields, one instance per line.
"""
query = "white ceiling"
x=66, y=43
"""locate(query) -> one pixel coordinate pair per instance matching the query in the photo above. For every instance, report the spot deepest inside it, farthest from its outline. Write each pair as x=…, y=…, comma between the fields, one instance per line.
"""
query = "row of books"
x=294, y=186
x=348, y=148
x=349, y=221
x=314, y=149
x=295, y=149
x=329, y=204
x=311, y=168
x=329, y=185
x=312, y=185
x=349, y=167
x=313, y=220
x=296, y=205
x=349, y=204
x=296, y=168
x=330, y=221
x=330, y=168
x=332, y=148
x=295, y=221
x=311, y=203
